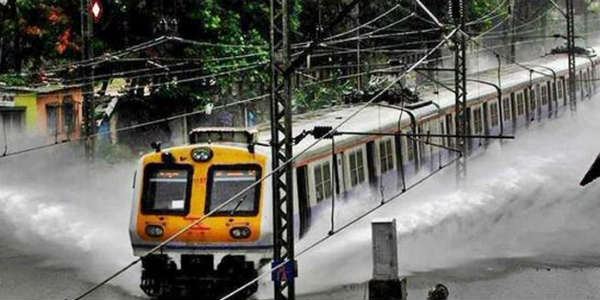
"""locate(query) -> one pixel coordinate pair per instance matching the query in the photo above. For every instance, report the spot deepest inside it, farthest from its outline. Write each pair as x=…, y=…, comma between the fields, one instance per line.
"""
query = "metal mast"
x=281, y=150
x=89, y=125
x=571, y=50
x=458, y=11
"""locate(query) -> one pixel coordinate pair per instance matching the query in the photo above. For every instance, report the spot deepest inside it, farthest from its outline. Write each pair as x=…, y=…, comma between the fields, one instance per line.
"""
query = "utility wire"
x=127, y=128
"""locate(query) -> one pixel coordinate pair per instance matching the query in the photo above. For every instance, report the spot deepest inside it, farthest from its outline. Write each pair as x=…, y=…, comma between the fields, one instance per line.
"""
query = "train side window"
x=226, y=181
x=494, y=114
x=322, y=174
x=167, y=189
x=386, y=155
x=506, y=108
x=357, y=167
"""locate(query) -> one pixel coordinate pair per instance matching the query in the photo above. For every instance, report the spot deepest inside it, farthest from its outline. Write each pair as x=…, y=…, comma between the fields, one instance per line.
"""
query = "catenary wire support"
x=571, y=49
x=458, y=11
x=281, y=151
x=89, y=125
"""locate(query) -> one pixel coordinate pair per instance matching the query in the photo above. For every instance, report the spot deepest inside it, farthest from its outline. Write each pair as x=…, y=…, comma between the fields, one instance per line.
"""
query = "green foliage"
x=318, y=96
x=14, y=79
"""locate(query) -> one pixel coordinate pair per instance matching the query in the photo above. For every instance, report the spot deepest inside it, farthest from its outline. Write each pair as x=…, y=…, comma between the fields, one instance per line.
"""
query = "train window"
x=506, y=108
x=225, y=182
x=477, y=120
x=494, y=114
x=544, y=96
x=386, y=155
x=532, y=102
x=357, y=167
x=520, y=105
x=167, y=189
x=322, y=181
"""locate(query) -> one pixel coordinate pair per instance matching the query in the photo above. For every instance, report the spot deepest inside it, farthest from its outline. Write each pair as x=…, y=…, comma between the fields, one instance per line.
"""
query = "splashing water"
x=522, y=202
x=65, y=219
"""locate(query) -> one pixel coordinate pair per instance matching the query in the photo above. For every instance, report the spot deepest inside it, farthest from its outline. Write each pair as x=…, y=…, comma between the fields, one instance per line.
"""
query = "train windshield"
x=225, y=182
x=166, y=189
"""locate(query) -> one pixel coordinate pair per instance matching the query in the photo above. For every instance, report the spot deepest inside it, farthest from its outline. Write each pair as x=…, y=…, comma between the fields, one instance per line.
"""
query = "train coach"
x=175, y=187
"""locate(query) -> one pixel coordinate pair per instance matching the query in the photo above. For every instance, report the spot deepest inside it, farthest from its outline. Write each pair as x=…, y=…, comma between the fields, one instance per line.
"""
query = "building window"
x=494, y=114
x=477, y=124
x=506, y=108
x=357, y=168
x=544, y=96
x=12, y=120
x=520, y=105
x=323, y=181
x=386, y=155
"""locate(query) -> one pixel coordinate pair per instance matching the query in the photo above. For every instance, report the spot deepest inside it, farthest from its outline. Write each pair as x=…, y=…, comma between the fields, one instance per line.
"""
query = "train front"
x=178, y=186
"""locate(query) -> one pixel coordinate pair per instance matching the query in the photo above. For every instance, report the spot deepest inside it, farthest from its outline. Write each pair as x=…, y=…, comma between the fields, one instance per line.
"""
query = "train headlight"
x=154, y=230
x=240, y=232
x=203, y=154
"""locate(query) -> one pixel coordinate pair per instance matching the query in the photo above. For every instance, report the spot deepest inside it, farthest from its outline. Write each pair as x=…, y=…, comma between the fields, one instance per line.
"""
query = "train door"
x=341, y=177
x=371, y=168
x=543, y=108
x=538, y=101
x=509, y=113
x=449, y=130
x=486, y=121
x=303, y=199
x=477, y=126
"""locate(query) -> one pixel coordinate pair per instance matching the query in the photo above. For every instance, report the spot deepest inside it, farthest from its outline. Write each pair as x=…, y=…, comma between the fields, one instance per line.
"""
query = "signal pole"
x=281, y=151
x=458, y=11
x=571, y=49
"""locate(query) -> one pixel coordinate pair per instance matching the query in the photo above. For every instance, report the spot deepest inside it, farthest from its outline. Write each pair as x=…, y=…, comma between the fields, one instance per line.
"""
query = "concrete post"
x=385, y=283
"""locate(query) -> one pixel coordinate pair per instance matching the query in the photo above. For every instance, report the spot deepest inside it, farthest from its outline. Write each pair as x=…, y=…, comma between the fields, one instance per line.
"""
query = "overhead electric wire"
x=100, y=77
x=146, y=45
x=362, y=25
x=276, y=170
x=175, y=82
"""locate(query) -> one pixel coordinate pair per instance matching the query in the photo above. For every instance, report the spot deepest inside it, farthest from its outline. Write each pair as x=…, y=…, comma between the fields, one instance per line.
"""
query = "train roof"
x=380, y=118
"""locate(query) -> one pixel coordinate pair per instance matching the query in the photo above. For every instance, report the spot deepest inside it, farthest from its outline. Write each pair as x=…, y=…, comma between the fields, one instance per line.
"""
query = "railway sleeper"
x=196, y=277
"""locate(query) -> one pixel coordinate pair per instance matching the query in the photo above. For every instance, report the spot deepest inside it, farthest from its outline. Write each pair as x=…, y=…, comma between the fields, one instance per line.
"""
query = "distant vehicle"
x=176, y=186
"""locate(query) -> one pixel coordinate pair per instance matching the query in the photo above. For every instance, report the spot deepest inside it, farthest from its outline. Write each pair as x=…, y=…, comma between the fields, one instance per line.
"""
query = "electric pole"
x=281, y=151
x=571, y=50
x=458, y=11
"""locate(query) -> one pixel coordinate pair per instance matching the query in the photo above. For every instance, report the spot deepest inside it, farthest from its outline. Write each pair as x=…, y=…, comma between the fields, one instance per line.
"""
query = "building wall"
x=29, y=101
x=54, y=105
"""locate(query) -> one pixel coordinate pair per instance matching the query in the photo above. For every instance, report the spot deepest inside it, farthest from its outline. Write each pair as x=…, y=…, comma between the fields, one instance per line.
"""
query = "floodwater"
x=521, y=227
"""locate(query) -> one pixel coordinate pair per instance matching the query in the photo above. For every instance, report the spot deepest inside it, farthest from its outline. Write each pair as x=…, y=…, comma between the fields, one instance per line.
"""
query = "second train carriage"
x=363, y=162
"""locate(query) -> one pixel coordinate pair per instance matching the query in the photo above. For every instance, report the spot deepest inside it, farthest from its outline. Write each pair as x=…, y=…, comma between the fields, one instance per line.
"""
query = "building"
x=53, y=111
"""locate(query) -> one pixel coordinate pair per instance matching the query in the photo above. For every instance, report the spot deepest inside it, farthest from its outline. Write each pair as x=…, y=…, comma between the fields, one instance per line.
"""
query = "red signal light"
x=95, y=9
